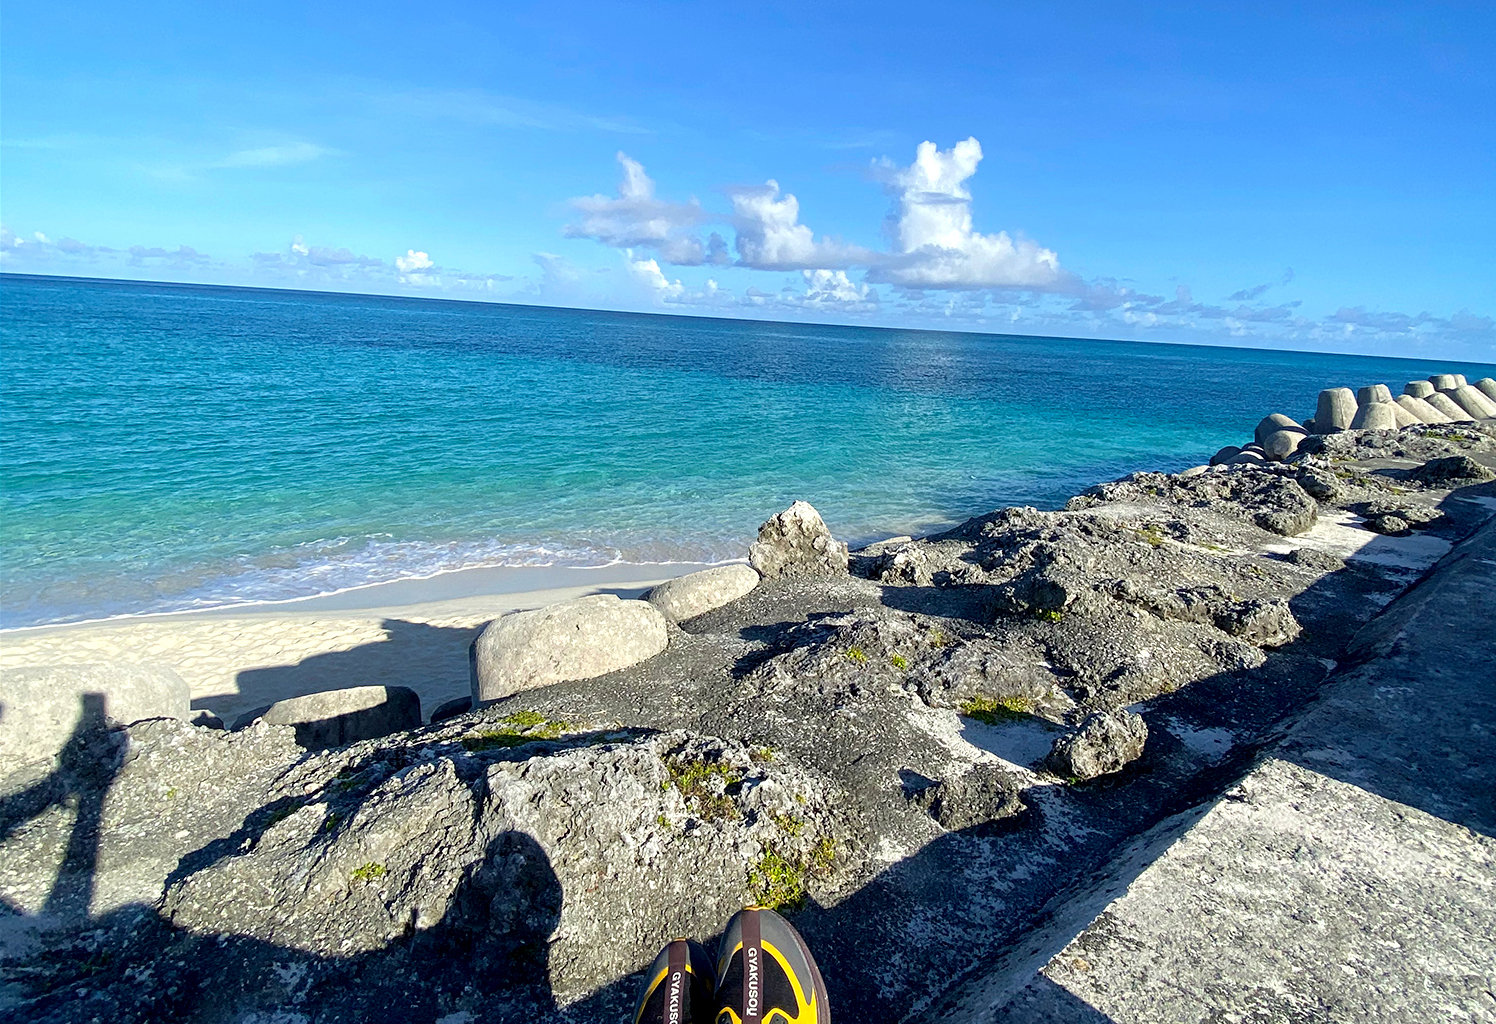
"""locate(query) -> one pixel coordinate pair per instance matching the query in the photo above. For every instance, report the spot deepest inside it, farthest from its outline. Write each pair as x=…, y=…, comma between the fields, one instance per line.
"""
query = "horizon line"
x=720, y=318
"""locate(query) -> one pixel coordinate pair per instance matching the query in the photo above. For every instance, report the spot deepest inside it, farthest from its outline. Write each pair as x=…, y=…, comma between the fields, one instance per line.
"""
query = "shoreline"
x=470, y=582
x=413, y=633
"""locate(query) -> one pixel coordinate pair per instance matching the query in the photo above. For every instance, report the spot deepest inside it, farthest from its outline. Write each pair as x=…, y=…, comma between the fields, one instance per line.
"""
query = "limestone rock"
x=1450, y=472
x=1388, y=525
x=1418, y=389
x=1273, y=424
x=1487, y=386
x=1373, y=393
x=978, y=800
x=334, y=718
x=578, y=639
x=1420, y=409
x=1337, y=407
x=907, y=563
x=1320, y=484
x=797, y=542
x=1443, y=404
x=700, y=592
x=1106, y=742
x=43, y=706
x=1375, y=416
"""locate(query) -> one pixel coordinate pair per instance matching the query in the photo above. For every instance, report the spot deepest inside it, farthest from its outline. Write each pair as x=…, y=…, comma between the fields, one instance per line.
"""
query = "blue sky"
x=1316, y=177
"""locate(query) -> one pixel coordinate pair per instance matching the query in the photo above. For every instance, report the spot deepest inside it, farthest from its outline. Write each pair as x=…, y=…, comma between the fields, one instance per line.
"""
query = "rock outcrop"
x=796, y=542
x=578, y=639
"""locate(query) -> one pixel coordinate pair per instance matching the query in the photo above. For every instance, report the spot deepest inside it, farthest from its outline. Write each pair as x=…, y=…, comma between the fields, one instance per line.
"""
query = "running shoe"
x=766, y=975
x=679, y=987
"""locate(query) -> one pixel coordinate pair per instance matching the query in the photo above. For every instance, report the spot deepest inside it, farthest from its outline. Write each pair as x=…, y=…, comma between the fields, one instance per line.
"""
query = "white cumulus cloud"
x=937, y=246
x=637, y=218
x=771, y=237
x=413, y=261
x=648, y=273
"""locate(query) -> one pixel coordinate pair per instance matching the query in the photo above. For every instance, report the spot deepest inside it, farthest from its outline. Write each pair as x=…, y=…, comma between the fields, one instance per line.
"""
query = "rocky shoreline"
x=915, y=748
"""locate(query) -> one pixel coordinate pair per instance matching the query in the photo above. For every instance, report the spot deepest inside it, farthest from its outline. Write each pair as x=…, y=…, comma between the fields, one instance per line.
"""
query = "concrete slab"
x=1350, y=876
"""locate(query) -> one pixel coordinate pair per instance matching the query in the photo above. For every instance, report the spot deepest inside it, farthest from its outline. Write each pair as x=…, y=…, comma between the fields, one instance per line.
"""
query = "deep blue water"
x=176, y=446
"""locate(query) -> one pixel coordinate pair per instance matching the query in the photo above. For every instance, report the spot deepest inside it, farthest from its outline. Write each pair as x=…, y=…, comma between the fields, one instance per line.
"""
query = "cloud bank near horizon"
x=937, y=269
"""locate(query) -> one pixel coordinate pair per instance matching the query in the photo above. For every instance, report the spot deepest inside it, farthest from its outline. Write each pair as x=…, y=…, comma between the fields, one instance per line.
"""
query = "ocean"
x=171, y=447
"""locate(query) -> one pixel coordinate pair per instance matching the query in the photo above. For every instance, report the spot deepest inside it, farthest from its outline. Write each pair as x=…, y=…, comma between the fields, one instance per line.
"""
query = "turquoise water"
x=170, y=446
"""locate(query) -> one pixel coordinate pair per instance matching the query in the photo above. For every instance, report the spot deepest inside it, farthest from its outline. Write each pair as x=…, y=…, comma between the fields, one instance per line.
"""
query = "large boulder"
x=1487, y=387
x=1418, y=389
x=1106, y=742
x=1375, y=416
x=697, y=593
x=334, y=718
x=797, y=542
x=42, y=707
x=1273, y=424
x=1440, y=401
x=1420, y=409
x=578, y=639
x=1337, y=407
x=1373, y=393
x=1451, y=472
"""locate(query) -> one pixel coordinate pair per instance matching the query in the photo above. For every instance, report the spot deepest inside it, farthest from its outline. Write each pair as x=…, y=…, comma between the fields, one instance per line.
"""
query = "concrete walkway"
x=1350, y=876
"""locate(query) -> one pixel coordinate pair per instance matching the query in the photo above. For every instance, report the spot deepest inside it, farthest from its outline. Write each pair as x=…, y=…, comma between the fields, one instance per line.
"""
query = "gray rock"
x=41, y=707
x=1225, y=455
x=1442, y=402
x=907, y=563
x=1420, y=409
x=578, y=639
x=1472, y=401
x=1274, y=423
x=1444, y=382
x=1337, y=407
x=796, y=542
x=1373, y=393
x=1375, y=416
x=978, y=799
x=1312, y=558
x=1487, y=387
x=452, y=708
x=1388, y=525
x=334, y=718
x=700, y=592
x=1419, y=388
x=1453, y=471
x=1193, y=471
x=1320, y=484
x=1106, y=742
x=1280, y=444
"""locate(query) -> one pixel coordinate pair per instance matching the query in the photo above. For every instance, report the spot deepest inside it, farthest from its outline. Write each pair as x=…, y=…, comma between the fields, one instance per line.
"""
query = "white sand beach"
x=411, y=633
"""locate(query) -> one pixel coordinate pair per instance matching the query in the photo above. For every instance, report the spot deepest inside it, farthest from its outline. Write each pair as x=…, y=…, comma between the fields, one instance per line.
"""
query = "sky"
x=1298, y=176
